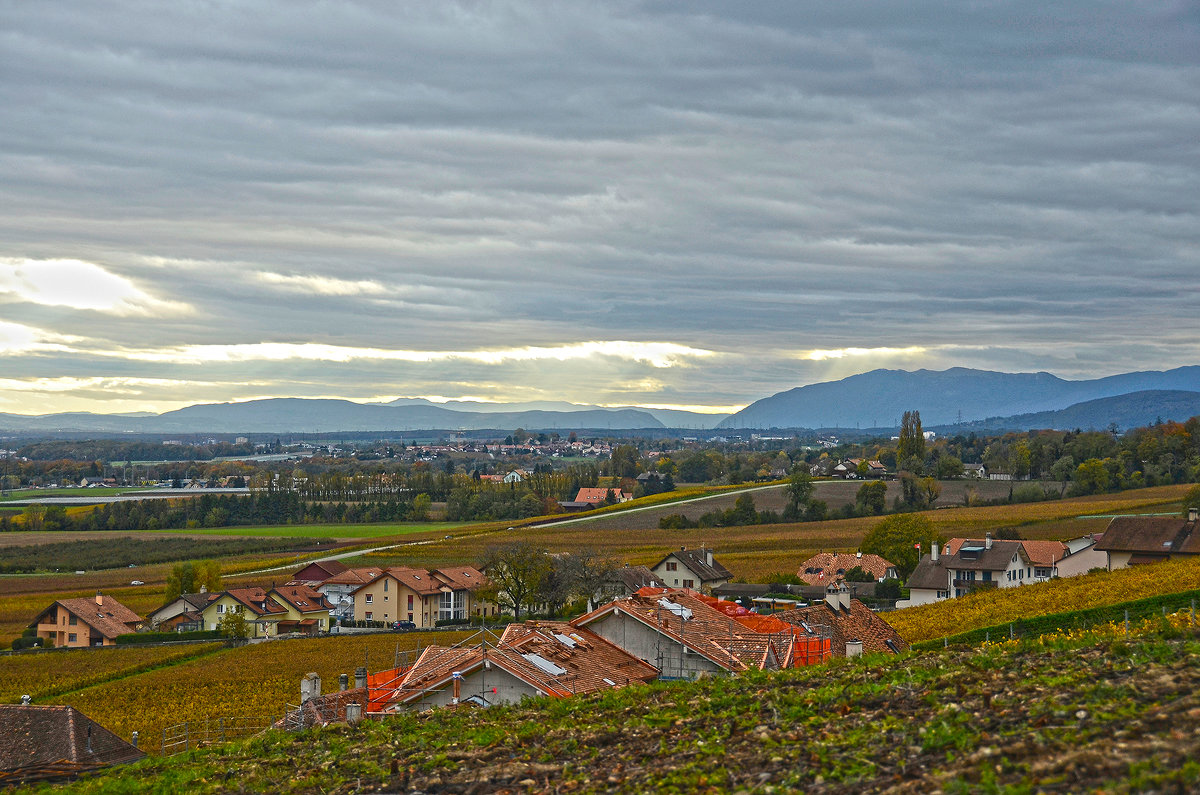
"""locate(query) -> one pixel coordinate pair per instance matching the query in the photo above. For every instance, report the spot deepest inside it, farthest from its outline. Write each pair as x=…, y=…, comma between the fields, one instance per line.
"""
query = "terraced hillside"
x=1066, y=713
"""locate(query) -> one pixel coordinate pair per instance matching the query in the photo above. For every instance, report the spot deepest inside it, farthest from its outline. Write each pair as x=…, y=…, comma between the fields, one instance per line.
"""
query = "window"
x=369, y=598
x=987, y=576
x=220, y=609
x=368, y=615
x=943, y=594
x=672, y=566
x=689, y=584
x=385, y=582
x=410, y=603
x=73, y=621
x=71, y=637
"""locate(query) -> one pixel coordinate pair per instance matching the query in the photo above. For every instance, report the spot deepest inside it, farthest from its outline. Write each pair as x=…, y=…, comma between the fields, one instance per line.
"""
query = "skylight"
x=677, y=609
x=544, y=664
x=565, y=640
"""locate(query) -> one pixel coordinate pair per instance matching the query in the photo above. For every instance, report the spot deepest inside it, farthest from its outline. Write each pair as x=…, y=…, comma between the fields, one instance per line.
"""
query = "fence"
x=210, y=731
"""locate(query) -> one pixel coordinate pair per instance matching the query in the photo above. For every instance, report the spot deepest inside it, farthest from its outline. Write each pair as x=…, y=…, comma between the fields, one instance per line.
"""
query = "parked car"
x=403, y=626
x=137, y=582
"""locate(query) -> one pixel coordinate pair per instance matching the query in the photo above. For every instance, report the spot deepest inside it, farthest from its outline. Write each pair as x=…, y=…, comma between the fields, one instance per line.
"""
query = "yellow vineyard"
x=39, y=673
x=255, y=680
x=1001, y=605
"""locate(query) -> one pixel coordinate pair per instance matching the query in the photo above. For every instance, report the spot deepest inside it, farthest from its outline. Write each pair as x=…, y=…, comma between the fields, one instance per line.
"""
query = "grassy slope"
x=1072, y=714
x=253, y=680
x=1001, y=605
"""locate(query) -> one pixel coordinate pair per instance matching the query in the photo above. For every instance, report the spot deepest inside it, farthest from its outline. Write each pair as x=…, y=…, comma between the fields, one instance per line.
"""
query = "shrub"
x=167, y=637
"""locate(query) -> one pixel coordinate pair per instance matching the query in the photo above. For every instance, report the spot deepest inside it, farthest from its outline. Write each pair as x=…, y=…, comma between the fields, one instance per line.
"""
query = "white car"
x=137, y=582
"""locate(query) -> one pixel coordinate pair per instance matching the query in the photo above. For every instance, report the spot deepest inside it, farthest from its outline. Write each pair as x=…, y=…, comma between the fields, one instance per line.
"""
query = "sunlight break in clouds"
x=321, y=285
x=16, y=338
x=842, y=353
x=79, y=285
x=656, y=354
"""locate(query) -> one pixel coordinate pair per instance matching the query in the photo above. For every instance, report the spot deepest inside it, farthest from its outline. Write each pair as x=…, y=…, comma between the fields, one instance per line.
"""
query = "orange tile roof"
x=354, y=576
x=301, y=597
x=256, y=599
x=108, y=616
x=598, y=495
x=859, y=623
x=835, y=564
x=722, y=632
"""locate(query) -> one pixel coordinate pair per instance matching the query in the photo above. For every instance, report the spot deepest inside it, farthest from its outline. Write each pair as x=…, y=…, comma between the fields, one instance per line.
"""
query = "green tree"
x=872, y=497
x=191, y=576
x=1191, y=499
x=744, y=513
x=1091, y=477
x=911, y=444
x=901, y=539
x=420, y=508
x=624, y=461
x=799, y=493
x=858, y=574
x=234, y=625
x=515, y=572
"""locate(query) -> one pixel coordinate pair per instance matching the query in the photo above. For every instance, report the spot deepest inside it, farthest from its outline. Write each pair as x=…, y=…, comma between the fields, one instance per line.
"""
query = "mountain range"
x=958, y=397
x=944, y=397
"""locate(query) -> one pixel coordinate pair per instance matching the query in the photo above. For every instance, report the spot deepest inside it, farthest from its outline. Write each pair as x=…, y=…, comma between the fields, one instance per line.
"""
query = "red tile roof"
x=354, y=576
x=102, y=613
x=301, y=597
x=40, y=739
x=860, y=623
x=585, y=662
x=596, y=496
x=824, y=567
x=726, y=634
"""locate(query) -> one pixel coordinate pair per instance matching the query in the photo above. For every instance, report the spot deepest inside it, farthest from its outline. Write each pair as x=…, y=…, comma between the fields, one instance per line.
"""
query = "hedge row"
x=1073, y=619
x=168, y=637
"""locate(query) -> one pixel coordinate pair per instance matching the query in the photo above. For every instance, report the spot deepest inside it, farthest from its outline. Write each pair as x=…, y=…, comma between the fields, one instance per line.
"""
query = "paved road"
x=551, y=523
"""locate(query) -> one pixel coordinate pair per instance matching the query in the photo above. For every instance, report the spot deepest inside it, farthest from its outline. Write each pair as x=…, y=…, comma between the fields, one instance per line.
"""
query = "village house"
x=536, y=658
x=628, y=580
x=685, y=635
x=421, y=596
x=49, y=743
x=826, y=567
x=260, y=612
x=1135, y=540
x=339, y=589
x=305, y=610
x=691, y=568
x=318, y=572
x=966, y=565
x=181, y=614
x=853, y=627
x=85, y=621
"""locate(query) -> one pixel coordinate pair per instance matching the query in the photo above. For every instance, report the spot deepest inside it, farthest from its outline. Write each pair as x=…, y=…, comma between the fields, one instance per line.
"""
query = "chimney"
x=353, y=713
x=858, y=554
x=26, y=701
x=1193, y=514
x=203, y=589
x=99, y=599
x=360, y=676
x=343, y=682
x=708, y=556
x=310, y=686
x=854, y=648
x=831, y=596
x=987, y=540
x=933, y=552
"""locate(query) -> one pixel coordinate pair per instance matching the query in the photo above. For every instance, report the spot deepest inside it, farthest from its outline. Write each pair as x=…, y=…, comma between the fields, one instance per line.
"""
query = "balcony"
x=975, y=585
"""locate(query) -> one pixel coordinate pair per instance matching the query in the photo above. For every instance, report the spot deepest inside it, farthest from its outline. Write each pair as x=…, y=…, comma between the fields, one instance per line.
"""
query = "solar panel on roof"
x=544, y=664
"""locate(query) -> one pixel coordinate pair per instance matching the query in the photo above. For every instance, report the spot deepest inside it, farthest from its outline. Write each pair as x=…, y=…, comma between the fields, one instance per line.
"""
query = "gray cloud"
x=1003, y=185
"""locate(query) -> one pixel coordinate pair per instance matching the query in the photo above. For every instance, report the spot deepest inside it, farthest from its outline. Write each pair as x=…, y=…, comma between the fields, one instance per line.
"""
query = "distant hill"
x=301, y=415
x=1135, y=410
x=877, y=398
x=670, y=418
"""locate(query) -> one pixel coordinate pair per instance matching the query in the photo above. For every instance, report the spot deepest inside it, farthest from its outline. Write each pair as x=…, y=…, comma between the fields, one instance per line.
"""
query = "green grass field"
x=29, y=494
x=323, y=530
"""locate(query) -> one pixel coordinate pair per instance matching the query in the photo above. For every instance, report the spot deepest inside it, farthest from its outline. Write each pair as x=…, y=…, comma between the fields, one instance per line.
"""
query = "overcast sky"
x=668, y=204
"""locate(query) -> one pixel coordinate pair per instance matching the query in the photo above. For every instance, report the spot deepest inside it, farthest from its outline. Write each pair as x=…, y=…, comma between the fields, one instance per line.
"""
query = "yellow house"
x=421, y=596
x=262, y=613
x=86, y=621
x=305, y=609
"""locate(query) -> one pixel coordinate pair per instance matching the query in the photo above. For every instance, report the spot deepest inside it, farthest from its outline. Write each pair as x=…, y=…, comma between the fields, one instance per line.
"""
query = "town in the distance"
x=178, y=592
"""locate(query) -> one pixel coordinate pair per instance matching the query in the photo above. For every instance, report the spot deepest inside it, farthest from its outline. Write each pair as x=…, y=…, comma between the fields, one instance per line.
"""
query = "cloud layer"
x=617, y=203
